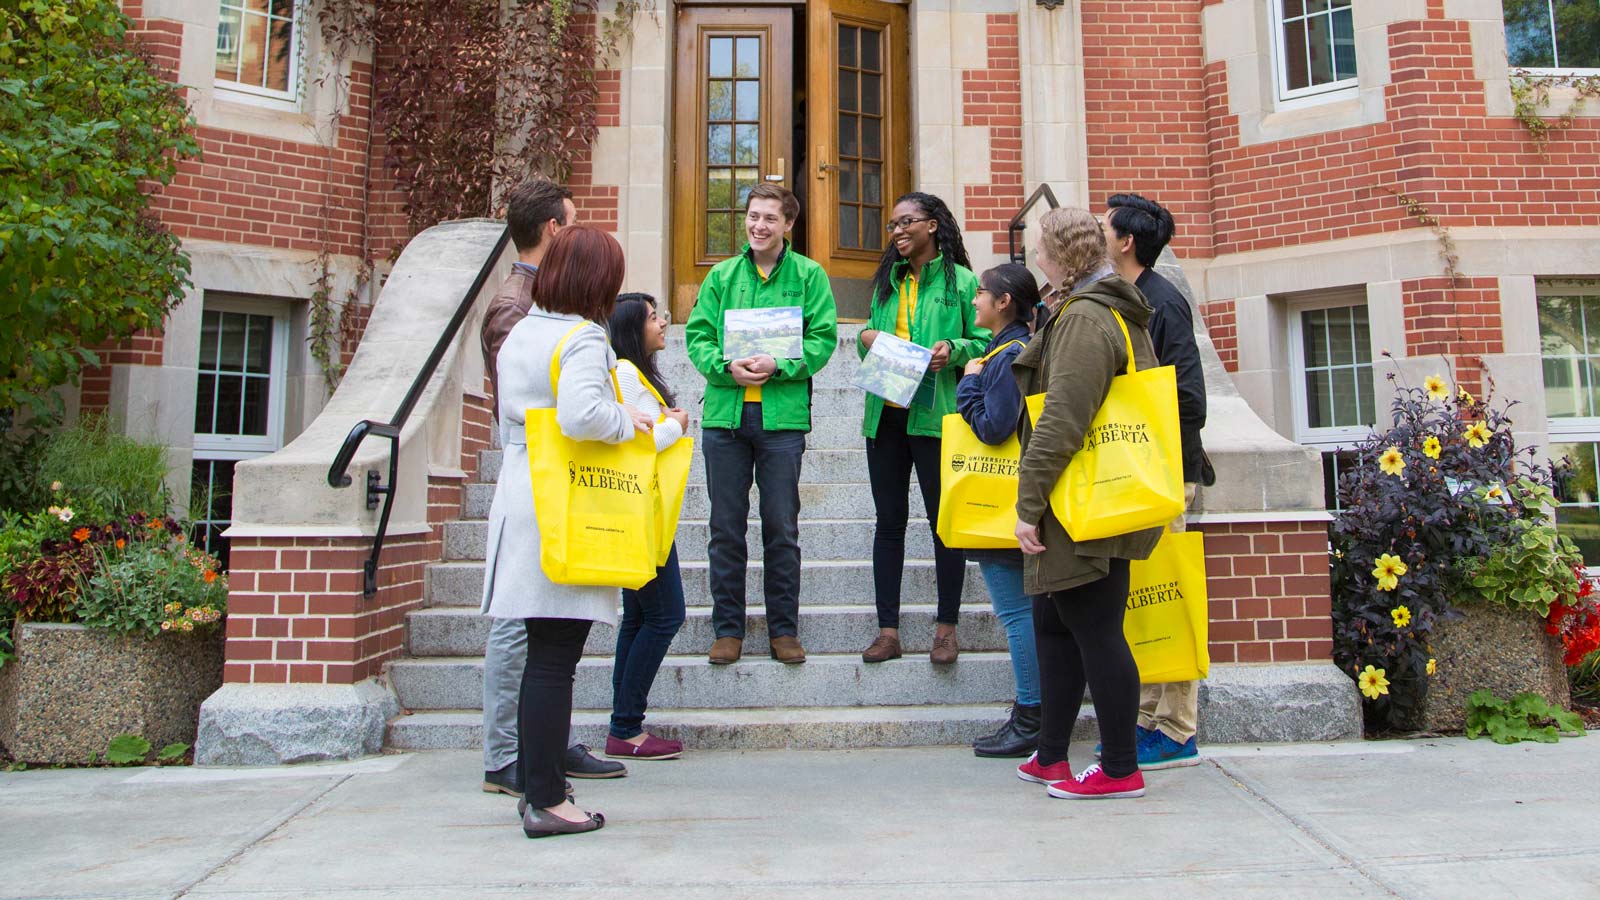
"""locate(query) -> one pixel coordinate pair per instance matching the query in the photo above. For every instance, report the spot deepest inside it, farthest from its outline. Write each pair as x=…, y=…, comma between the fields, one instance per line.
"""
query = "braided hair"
x=946, y=237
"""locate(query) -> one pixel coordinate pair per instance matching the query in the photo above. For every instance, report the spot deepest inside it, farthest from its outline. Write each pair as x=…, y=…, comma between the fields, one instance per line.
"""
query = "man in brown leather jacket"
x=535, y=211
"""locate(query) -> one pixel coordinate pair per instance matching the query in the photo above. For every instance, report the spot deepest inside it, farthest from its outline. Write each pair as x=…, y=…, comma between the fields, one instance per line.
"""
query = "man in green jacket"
x=757, y=411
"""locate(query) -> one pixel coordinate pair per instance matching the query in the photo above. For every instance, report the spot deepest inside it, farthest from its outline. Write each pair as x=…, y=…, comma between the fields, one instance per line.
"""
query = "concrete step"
x=820, y=539
x=833, y=582
x=815, y=728
x=690, y=682
x=817, y=501
x=819, y=467
x=455, y=631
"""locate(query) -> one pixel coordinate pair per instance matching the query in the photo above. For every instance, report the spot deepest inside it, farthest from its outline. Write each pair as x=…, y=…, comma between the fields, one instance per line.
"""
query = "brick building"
x=1300, y=146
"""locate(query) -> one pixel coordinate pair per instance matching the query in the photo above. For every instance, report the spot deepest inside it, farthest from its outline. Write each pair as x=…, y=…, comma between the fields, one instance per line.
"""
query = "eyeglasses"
x=903, y=224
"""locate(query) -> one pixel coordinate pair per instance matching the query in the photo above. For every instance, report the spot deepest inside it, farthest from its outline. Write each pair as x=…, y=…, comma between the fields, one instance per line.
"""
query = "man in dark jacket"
x=535, y=211
x=1136, y=232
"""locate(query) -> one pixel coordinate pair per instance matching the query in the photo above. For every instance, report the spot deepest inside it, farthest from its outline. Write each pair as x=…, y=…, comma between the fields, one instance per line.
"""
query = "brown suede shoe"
x=725, y=650
x=945, y=650
x=787, y=650
x=882, y=649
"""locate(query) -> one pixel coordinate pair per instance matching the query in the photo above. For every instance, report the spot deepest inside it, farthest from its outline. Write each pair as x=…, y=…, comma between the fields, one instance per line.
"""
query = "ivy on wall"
x=1530, y=92
x=471, y=97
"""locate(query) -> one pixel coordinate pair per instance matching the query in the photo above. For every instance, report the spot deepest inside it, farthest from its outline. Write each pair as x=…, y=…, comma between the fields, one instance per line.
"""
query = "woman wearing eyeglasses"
x=922, y=292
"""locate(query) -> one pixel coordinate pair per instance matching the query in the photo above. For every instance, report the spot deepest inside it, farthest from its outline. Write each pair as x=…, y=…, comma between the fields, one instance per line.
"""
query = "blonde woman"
x=1080, y=588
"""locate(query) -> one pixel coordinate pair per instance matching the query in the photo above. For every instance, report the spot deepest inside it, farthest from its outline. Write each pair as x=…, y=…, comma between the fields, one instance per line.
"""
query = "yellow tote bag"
x=1167, y=620
x=977, y=486
x=595, y=502
x=672, y=479
x=1128, y=475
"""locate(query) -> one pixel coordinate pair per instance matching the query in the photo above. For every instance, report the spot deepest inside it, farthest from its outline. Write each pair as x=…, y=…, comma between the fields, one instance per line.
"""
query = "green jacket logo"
x=604, y=479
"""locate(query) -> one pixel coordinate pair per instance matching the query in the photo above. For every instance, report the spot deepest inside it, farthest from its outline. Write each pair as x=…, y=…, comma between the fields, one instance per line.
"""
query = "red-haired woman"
x=577, y=285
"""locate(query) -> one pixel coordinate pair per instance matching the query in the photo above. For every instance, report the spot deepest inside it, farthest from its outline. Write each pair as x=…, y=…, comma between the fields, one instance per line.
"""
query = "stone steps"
x=848, y=466
x=820, y=539
x=690, y=682
x=822, y=501
x=812, y=728
x=454, y=631
x=836, y=582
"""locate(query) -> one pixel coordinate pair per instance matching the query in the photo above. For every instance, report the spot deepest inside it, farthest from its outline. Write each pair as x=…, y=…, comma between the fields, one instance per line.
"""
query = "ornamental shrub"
x=109, y=475
x=154, y=585
x=87, y=124
x=1427, y=502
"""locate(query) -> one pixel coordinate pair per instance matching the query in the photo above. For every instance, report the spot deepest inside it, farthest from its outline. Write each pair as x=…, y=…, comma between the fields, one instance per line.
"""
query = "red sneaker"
x=1095, y=784
x=1032, y=771
x=652, y=748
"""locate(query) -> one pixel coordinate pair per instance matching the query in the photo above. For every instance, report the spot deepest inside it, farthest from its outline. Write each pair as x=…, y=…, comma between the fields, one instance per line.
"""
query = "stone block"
x=276, y=724
x=1490, y=648
x=71, y=689
x=1272, y=703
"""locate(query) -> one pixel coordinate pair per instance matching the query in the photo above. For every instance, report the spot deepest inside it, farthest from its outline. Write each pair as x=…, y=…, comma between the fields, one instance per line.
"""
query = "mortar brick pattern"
x=1268, y=592
x=993, y=97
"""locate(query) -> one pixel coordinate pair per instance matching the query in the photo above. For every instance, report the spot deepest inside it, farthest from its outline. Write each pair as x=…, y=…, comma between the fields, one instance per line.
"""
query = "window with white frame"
x=1553, y=34
x=1315, y=44
x=258, y=48
x=1569, y=341
x=1330, y=359
x=239, y=404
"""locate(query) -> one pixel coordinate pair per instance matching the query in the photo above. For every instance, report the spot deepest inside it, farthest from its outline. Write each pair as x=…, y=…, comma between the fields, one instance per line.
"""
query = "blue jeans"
x=1015, y=611
x=772, y=458
x=651, y=617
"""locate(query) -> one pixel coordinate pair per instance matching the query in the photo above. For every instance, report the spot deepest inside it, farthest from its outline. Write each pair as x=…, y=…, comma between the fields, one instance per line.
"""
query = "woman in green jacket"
x=922, y=293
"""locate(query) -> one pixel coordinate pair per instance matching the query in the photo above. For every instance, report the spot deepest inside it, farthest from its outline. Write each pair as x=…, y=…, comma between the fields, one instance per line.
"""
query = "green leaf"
x=172, y=751
x=127, y=748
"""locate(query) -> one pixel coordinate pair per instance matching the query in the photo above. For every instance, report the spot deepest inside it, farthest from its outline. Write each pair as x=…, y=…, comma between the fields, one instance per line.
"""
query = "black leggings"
x=544, y=712
x=1080, y=640
x=890, y=458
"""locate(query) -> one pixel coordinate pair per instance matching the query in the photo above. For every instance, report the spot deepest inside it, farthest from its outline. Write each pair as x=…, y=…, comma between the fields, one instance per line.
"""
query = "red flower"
x=81, y=535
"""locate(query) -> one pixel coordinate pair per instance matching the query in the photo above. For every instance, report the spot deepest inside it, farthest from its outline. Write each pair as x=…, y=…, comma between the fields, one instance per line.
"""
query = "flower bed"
x=1448, y=572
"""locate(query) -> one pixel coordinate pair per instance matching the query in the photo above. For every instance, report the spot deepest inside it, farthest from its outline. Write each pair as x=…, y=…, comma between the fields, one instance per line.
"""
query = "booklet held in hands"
x=893, y=369
x=776, y=331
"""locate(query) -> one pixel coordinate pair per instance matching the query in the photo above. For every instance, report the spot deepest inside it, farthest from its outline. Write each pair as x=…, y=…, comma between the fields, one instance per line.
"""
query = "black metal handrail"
x=1017, y=226
x=338, y=477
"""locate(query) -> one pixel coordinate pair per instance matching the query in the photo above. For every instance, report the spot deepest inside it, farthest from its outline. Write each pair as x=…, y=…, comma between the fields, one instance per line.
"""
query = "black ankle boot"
x=1018, y=737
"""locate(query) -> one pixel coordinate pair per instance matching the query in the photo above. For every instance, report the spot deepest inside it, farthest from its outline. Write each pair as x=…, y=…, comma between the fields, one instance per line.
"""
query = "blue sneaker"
x=1162, y=752
x=1141, y=737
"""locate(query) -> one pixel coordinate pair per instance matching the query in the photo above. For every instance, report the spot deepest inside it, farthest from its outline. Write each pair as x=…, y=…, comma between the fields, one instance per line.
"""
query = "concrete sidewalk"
x=1434, y=818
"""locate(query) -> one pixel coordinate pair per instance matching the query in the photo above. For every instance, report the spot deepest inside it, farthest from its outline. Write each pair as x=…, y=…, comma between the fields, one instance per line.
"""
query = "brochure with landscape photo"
x=893, y=369
x=775, y=331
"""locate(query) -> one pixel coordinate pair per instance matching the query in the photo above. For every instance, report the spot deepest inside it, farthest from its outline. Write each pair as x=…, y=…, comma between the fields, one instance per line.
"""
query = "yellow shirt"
x=908, y=311
x=752, y=392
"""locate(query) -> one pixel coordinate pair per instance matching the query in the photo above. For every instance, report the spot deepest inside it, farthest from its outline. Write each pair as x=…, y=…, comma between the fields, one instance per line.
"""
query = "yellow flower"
x=1434, y=385
x=1464, y=395
x=1495, y=493
x=1374, y=682
x=1401, y=616
x=1477, y=435
x=1391, y=462
x=1431, y=448
x=1388, y=571
x=1433, y=666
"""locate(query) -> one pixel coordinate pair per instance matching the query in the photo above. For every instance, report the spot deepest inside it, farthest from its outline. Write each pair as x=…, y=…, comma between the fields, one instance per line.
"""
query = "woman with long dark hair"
x=990, y=403
x=652, y=615
x=1080, y=588
x=572, y=300
x=922, y=292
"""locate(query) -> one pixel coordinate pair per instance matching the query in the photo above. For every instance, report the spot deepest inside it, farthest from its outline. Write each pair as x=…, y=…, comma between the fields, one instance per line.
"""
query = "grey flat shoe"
x=536, y=823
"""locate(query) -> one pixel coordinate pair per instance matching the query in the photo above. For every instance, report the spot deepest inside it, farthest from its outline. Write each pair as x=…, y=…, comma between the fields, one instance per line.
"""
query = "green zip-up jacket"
x=734, y=283
x=944, y=313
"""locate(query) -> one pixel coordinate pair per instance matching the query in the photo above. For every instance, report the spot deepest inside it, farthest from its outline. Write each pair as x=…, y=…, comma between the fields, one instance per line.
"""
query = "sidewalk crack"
x=261, y=834
x=1312, y=833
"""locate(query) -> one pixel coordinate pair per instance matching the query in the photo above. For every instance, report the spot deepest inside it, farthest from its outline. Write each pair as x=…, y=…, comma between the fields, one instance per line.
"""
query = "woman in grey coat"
x=577, y=286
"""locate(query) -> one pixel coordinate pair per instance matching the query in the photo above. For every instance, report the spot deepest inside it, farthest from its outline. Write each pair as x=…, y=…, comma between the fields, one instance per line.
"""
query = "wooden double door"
x=813, y=97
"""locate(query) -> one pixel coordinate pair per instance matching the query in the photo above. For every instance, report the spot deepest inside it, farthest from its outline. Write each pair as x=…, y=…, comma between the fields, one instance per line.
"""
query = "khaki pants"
x=1172, y=709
